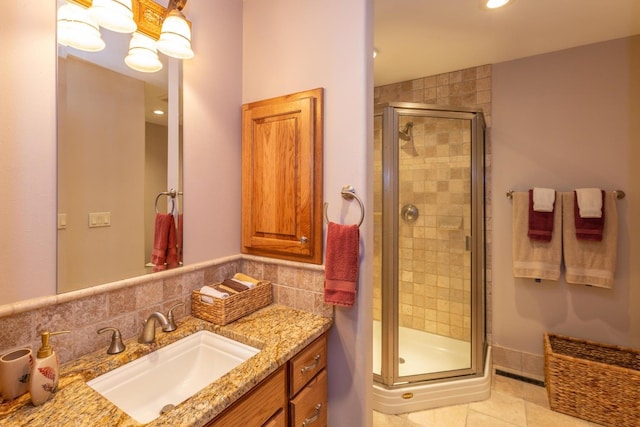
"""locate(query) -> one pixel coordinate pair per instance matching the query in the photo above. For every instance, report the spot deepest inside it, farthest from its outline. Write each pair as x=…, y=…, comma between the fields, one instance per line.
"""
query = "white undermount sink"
x=170, y=375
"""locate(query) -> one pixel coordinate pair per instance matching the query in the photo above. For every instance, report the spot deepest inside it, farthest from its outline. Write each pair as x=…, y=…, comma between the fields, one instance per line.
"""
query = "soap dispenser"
x=44, y=374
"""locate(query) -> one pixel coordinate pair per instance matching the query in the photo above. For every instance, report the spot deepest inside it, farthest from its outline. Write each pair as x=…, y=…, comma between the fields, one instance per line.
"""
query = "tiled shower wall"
x=127, y=303
x=434, y=267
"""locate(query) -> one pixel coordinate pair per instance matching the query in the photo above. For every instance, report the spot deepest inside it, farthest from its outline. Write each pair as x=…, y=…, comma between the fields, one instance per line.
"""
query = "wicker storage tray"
x=226, y=310
x=596, y=382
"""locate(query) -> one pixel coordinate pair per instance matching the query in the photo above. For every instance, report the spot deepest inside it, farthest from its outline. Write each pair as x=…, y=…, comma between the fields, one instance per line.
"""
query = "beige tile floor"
x=512, y=403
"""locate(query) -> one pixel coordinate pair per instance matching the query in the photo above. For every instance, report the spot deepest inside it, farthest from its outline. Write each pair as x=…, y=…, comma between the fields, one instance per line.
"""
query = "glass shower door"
x=426, y=199
x=434, y=201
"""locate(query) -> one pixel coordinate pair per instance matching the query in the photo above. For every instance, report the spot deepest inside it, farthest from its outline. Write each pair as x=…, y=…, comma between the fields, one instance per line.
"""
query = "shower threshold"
x=419, y=397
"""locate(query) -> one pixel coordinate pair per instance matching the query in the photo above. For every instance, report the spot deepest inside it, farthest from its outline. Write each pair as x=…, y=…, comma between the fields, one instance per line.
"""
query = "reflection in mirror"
x=114, y=155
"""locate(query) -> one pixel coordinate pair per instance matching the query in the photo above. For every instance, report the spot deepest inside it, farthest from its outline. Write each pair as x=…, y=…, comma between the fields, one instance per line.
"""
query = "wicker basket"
x=226, y=310
x=596, y=382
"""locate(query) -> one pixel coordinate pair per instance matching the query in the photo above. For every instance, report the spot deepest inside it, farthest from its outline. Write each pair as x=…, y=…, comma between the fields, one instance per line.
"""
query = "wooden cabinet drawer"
x=307, y=364
x=278, y=420
x=309, y=407
x=258, y=406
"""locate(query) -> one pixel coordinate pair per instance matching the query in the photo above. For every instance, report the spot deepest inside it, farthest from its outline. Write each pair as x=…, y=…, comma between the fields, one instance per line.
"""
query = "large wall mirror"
x=115, y=159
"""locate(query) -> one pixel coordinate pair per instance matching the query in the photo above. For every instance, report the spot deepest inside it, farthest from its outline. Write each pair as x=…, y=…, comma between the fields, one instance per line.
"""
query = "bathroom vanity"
x=285, y=381
x=296, y=392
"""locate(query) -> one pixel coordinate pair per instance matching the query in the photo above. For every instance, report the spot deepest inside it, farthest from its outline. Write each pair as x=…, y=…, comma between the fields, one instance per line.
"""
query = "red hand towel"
x=164, y=243
x=172, y=245
x=588, y=228
x=540, y=223
x=179, y=237
x=341, y=264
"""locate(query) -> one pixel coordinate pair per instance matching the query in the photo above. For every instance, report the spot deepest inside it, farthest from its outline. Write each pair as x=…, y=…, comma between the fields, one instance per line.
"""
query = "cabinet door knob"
x=303, y=240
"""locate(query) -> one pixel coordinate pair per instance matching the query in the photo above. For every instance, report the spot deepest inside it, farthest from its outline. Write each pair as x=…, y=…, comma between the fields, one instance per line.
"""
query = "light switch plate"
x=99, y=219
x=62, y=221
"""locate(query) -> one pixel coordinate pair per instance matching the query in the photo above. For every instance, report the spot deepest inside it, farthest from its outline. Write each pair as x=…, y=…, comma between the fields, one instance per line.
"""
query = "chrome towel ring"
x=348, y=193
x=172, y=194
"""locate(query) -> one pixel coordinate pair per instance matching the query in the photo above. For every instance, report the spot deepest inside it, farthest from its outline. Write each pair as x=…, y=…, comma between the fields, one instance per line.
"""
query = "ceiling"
x=418, y=38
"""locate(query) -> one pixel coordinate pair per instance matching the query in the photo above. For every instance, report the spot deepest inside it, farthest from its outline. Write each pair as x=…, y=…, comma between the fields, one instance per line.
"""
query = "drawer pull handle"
x=312, y=366
x=313, y=419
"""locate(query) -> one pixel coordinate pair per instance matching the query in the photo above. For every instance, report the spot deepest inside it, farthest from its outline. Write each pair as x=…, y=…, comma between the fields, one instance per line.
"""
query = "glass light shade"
x=175, y=36
x=77, y=29
x=494, y=4
x=114, y=15
x=143, y=55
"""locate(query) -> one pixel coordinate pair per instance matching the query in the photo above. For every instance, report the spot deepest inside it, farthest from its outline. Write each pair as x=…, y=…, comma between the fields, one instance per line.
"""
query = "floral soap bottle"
x=44, y=374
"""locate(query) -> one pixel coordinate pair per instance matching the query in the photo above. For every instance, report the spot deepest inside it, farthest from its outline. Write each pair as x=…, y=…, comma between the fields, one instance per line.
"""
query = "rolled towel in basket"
x=208, y=290
x=245, y=280
x=249, y=285
x=235, y=285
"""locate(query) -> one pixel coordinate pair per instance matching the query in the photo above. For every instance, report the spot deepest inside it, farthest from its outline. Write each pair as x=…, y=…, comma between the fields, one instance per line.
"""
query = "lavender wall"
x=28, y=146
x=566, y=120
x=290, y=46
x=212, y=97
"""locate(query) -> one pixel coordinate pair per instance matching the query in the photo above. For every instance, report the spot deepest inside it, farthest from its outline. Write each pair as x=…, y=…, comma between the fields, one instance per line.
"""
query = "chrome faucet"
x=171, y=319
x=148, y=334
x=117, y=346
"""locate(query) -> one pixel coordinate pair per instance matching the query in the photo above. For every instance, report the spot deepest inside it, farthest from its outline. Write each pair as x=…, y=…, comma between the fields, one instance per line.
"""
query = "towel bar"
x=348, y=193
x=619, y=194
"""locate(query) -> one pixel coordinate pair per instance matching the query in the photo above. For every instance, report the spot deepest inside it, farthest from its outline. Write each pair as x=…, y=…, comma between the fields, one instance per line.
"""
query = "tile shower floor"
x=512, y=403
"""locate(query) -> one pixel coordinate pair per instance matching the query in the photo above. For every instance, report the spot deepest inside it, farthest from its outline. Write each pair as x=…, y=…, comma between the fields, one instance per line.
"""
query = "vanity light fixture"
x=77, y=29
x=154, y=28
x=143, y=54
x=158, y=112
x=494, y=4
x=175, y=36
x=114, y=15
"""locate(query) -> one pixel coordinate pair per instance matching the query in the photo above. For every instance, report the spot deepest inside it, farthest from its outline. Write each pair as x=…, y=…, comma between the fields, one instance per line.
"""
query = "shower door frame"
x=390, y=112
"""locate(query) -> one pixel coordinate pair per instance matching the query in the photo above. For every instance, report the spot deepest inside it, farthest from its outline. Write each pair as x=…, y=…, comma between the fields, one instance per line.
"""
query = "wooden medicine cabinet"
x=282, y=177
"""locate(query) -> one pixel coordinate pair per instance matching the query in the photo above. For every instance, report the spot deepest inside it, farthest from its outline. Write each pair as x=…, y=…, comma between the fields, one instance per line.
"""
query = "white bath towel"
x=533, y=258
x=543, y=199
x=590, y=262
x=589, y=202
x=214, y=293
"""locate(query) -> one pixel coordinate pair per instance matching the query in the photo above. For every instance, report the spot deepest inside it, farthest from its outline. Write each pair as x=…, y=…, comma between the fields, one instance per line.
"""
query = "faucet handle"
x=172, y=323
x=117, y=346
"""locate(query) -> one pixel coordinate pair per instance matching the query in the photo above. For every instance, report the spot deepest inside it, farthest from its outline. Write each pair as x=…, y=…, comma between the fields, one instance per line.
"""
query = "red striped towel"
x=341, y=264
x=540, y=223
x=588, y=228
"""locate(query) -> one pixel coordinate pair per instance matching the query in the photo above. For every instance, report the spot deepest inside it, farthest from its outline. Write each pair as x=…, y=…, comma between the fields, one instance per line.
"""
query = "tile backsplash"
x=125, y=304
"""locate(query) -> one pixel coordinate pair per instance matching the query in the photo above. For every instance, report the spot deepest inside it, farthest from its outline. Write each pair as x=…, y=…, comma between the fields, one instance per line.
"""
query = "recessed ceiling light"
x=494, y=4
x=158, y=112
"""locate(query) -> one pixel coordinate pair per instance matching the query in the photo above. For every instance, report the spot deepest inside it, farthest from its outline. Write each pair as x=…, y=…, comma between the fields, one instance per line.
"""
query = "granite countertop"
x=278, y=331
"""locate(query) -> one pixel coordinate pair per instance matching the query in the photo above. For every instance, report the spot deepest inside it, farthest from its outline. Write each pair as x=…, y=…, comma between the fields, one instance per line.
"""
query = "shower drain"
x=401, y=360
